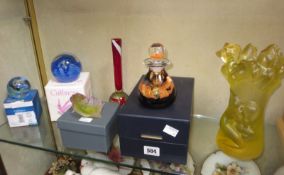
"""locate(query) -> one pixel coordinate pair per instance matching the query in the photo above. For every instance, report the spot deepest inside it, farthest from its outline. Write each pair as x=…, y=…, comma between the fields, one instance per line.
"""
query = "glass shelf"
x=202, y=143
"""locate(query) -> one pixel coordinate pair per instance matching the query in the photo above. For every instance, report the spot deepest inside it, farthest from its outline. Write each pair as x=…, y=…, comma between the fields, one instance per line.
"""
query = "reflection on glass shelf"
x=202, y=143
x=32, y=136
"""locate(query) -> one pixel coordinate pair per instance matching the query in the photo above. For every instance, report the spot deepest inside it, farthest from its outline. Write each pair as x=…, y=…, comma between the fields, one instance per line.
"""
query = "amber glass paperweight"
x=156, y=89
x=253, y=78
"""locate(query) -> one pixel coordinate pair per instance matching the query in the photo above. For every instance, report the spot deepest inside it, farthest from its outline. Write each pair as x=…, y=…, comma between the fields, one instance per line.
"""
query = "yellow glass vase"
x=253, y=79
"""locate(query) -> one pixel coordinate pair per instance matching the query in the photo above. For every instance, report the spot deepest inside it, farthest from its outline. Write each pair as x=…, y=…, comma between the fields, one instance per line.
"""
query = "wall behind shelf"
x=17, y=59
x=191, y=30
x=16, y=52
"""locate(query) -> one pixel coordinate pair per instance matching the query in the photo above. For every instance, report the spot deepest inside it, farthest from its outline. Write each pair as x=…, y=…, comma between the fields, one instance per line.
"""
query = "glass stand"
x=202, y=143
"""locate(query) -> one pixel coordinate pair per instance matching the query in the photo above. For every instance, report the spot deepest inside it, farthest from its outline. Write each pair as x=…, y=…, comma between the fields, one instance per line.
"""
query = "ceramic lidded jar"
x=156, y=89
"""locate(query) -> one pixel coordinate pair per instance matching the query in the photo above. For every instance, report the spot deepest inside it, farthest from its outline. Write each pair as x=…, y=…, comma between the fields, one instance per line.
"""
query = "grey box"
x=96, y=135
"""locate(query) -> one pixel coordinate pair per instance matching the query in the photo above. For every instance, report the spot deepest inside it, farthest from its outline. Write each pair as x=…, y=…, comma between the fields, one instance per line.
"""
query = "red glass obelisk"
x=118, y=96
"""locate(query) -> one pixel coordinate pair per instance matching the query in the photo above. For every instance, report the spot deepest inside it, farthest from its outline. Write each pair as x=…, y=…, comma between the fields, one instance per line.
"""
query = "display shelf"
x=202, y=143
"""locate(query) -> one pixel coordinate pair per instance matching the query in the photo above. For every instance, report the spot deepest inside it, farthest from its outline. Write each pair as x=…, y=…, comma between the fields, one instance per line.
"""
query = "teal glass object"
x=18, y=87
x=66, y=68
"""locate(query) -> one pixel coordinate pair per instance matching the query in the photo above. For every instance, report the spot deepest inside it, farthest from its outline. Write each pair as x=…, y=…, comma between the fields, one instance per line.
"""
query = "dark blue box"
x=158, y=134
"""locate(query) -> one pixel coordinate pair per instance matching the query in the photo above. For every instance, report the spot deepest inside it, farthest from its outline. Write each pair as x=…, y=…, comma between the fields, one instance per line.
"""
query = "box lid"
x=180, y=109
x=27, y=101
x=98, y=126
x=170, y=124
x=83, y=78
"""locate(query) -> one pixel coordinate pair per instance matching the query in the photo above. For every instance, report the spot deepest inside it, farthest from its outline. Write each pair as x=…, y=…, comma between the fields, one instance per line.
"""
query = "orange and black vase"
x=157, y=89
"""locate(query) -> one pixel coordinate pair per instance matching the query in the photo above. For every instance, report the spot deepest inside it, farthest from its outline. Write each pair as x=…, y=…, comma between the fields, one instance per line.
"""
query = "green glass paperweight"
x=253, y=78
x=87, y=106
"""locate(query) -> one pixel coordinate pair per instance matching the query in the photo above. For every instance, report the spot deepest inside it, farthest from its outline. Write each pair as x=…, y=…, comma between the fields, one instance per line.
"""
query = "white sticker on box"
x=170, y=130
x=85, y=119
x=152, y=151
x=18, y=104
x=22, y=119
x=18, y=119
x=30, y=117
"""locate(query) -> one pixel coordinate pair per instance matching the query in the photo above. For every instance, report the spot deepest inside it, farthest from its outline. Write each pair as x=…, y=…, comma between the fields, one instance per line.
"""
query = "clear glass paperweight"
x=18, y=87
x=157, y=89
x=66, y=68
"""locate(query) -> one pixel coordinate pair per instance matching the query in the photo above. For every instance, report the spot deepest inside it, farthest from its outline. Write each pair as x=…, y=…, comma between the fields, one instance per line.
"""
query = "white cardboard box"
x=58, y=94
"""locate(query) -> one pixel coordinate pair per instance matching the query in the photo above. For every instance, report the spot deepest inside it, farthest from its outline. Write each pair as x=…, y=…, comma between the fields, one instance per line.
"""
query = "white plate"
x=209, y=165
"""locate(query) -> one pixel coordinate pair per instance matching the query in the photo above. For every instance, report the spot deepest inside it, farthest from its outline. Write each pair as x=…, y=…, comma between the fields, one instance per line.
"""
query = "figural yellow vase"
x=253, y=79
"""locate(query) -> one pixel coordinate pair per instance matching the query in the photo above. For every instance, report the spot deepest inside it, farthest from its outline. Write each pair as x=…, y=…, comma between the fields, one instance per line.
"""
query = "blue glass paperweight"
x=66, y=68
x=18, y=87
